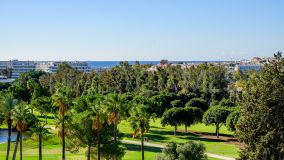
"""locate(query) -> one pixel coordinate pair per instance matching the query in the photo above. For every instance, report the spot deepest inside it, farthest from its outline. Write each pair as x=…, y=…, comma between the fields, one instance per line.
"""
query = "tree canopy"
x=261, y=125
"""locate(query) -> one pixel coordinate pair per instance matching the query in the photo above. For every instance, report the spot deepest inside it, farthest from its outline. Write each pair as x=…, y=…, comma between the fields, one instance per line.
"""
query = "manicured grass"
x=134, y=152
x=161, y=135
x=52, y=151
x=157, y=134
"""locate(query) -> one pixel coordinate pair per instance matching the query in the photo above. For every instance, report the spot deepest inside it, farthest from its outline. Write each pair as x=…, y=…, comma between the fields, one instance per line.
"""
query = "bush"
x=169, y=152
x=191, y=151
x=186, y=151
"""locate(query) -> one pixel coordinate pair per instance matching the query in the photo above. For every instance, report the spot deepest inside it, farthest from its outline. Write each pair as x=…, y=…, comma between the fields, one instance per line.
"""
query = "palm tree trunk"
x=21, y=145
x=89, y=151
x=9, y=137
x=114, y=132
x=115, y=139
x=142, y=145
x=63, y=139
x=99, y=146
x=185, y=128
x=40, y=146
x=16, y=146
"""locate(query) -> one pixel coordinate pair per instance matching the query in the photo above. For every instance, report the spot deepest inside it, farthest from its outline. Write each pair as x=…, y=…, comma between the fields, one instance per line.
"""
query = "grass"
x=160, y=135
x=52, y=151
x=157, y=134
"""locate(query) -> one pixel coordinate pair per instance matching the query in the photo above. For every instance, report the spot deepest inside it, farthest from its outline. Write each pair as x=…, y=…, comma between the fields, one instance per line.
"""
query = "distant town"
x=11, y=70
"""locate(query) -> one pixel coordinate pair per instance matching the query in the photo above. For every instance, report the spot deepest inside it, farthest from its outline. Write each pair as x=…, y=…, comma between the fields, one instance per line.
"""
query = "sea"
x=110, y=64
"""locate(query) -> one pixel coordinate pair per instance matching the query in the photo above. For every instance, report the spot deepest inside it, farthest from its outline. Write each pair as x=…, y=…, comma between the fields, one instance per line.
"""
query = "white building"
x=3, y=65
x=19, y=67
x=4, y=79
x=52, y=67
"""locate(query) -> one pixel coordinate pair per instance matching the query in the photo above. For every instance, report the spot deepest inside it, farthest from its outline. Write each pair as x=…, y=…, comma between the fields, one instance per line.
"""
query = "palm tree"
x=114, y=106
x=98, y=119
x=41, y=131
x=82, y=122
x=16, y=146
x=7, y=104
x=140, y=122
x=22, y=117
x=62, y=98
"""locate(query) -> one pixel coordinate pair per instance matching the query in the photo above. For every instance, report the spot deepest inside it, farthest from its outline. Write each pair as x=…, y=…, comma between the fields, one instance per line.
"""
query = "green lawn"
x=157, y=134
x=52, y=151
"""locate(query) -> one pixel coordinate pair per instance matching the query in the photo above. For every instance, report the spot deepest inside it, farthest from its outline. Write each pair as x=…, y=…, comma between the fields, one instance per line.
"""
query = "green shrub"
x=186, y=151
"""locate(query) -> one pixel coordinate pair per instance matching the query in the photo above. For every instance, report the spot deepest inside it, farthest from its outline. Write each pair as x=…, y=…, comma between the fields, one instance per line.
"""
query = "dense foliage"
x=261, y=125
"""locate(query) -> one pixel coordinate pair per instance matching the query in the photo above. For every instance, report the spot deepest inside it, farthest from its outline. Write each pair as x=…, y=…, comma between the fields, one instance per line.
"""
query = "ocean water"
x=109, y=64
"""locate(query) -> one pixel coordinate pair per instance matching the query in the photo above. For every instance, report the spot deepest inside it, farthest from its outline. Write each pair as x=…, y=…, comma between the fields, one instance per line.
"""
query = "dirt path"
x=162, y=146
x=225, y=138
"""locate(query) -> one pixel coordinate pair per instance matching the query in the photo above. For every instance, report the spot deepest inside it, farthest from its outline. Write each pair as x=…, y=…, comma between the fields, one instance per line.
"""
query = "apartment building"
x=19, y=67
x=52, y=67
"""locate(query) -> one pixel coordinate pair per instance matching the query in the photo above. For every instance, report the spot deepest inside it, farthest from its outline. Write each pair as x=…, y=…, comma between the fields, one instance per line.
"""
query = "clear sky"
x=140, y=29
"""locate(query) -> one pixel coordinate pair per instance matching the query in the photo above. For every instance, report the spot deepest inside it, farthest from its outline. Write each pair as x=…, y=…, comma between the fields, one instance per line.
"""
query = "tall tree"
x=62, y=99
x=140, y=122
x=114, y=107
x=99, y=117
x=22, y=118
x=216, y=115
x=40, y=130
x=173, y=117
x=190, y=116
x=7, y=104
x=83, y=123
x=261, y=124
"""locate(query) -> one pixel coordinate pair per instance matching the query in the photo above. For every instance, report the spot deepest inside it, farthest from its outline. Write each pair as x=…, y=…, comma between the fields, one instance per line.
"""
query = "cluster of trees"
x=261, y=123
x=95, y=103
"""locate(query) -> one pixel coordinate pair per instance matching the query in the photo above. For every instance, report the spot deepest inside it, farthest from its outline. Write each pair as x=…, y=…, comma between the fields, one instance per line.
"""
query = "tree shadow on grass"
x=214, y=134
x=202, y=139
x=135, y=147
x=164, y=136
x=171, y=133
x=158, y=135
x=150, y=136
x=157, y=127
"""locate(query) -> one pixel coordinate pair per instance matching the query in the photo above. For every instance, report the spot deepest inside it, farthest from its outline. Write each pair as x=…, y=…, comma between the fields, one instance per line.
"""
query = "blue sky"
x=140, y=29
